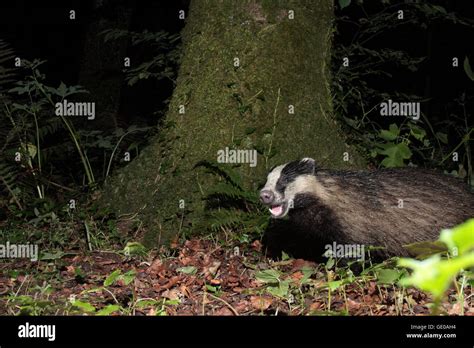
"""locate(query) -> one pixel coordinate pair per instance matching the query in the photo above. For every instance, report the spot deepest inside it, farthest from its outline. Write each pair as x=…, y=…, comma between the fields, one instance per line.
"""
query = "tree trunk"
x=245, y=67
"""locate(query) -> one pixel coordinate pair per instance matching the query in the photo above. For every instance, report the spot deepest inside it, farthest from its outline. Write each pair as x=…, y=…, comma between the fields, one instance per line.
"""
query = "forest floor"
x=206, y=277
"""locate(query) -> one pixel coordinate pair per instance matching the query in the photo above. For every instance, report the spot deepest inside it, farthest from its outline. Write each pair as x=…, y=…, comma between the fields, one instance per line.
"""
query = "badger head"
x=284, y=182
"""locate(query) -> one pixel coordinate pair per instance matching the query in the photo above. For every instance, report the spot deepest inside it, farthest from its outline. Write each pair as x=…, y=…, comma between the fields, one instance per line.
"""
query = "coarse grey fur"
x=389, y=208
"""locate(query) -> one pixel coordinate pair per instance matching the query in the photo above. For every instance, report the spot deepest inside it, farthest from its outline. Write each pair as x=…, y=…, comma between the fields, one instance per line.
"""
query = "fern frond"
x=224, y=218
x=228, y=191
x=49, y=127
x=8, y=179
x=230, y=205
x=225, y=172
x=6, y=74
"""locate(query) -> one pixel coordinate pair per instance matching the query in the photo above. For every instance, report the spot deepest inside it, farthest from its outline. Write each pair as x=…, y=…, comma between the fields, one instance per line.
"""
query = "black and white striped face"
x=284, y=182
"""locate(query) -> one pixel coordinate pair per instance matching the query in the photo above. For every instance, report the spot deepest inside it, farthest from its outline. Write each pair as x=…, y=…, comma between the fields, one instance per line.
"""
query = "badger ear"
x=309, y=163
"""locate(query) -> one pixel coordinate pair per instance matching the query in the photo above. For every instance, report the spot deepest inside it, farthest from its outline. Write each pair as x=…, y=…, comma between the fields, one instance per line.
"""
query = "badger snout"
x=266, y=196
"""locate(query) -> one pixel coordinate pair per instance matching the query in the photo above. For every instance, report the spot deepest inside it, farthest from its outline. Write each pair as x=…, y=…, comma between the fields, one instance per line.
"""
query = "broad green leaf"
x=396, y=154
x=334, y=285
x=108, y=310
x=146, y=303
x=330, y=263
x=307, y=273
x=425, y=249
x=84, y=306
x=132, y=248
x=433, y=274
x=128, y=277
x=460, y=238
x=112, y=277
x=390, y=134
x=418, y=132
x=281, y=290
x=387, y=275
x=268, y=276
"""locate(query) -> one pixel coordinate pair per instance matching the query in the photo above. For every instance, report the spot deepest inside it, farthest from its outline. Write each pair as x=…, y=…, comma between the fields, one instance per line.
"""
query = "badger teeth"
x=276, y=210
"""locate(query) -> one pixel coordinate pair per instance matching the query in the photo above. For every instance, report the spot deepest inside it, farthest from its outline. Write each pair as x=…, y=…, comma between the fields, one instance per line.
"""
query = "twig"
x=224, y=302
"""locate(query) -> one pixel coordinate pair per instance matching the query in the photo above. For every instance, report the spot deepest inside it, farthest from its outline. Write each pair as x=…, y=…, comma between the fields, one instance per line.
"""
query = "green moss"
x=280, y=59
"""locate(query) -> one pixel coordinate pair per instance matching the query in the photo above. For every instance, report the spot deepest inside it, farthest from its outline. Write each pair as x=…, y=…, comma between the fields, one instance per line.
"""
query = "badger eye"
x=280, y=185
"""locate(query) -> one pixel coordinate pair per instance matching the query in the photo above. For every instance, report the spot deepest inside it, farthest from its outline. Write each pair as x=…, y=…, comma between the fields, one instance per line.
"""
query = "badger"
x=313, y=207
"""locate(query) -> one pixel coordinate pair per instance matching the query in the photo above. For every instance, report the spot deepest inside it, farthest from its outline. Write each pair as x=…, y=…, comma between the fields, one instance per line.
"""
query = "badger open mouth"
x=277, y=210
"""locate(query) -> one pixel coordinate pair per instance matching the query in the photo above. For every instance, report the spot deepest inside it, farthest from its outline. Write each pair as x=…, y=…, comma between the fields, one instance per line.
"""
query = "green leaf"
x=307, y=273
x=424, y=249
x=467, y=69
x=396, y=154
x=51, y=255
x=281, y=290
x=146, y=303
x=112, y=277
x=460, y=238
x=62, y=90
x=433, y=274
x=330, y=263
x=269, y=276
x=187, y=270
x=128, y=277
x=387, y=275
x=334, y=285
x=418, y=132
x=390, y=134
x=20, y=107
x=108, y=310
x=344, y=3
x=134, y=249
x=443, y=137
x=30, y=149
x=84, y=306
x=440, y=9
x=212, y=288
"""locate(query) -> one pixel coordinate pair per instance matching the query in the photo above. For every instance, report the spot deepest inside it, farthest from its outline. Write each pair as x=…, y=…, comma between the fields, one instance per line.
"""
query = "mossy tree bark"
x=246, y=66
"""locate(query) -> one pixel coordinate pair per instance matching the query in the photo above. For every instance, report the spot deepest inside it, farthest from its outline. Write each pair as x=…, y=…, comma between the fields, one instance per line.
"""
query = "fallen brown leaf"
x=315, y=306
x=172, y=282
x=173, y=294
x=351, y=304
x=156, y=267
x=215, y=282
x=261, y=303
x=223, y=311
